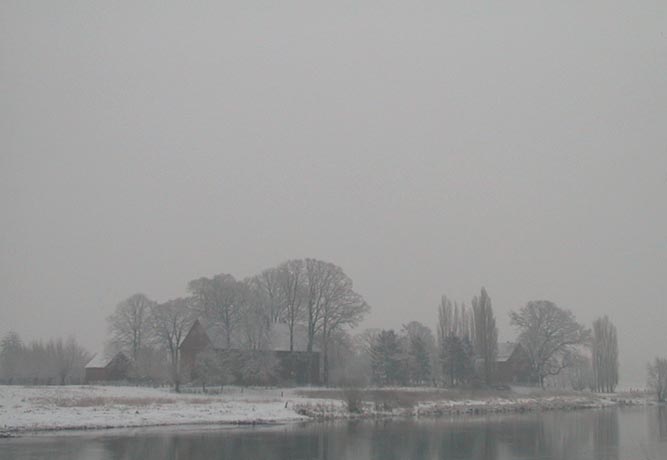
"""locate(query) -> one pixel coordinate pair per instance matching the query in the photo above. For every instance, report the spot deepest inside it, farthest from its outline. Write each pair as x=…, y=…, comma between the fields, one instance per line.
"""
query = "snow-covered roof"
x=505, y=350
x=98, y=361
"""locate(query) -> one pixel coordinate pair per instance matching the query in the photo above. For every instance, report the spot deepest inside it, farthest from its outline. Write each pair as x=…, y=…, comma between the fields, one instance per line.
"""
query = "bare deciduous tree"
x=485, y=334
x=217, y=299
x=11, y=355
x=605, y=355
x=347, y=367
x=171, y=322
x=292, y=286
x=57, y=360
x=210, y=367
x=130, y=325
x=67, y=357
x=256, y=316
x=580, y=375
x=342, y=308
x=267, y=287
x=657, y=378
x=550, y=336
x=318, y=276
x=453, y=319
x=454, y=341
x=37, y=364
x=331, y=304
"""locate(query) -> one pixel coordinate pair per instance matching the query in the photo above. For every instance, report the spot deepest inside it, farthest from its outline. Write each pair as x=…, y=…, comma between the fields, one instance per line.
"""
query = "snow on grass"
x=88, y=407
x=390, y=402
x=93, y=407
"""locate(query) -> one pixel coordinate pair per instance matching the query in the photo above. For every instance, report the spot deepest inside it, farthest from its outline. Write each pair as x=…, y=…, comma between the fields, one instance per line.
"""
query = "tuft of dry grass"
x=406, y=397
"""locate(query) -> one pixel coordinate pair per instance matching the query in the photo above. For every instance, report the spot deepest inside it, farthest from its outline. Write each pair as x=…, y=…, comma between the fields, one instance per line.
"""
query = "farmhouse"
x=288, y=367
x=512, y=364
x=102, y=369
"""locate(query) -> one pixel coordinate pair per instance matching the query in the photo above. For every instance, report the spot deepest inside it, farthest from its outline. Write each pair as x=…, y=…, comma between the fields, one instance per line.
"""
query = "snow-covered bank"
x=90, y=407
x=423, y=402
x=42, y=408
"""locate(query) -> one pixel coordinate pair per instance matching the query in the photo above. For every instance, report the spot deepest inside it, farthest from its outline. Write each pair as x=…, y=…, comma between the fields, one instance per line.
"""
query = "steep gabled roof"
x=278, y=339
x=99, y=361
x=214, y=332
x=505, y=351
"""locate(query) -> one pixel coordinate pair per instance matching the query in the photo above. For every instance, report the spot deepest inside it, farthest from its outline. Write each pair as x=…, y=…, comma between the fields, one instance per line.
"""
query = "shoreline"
x=43, y=410
x=46, y=431
x=511, y=404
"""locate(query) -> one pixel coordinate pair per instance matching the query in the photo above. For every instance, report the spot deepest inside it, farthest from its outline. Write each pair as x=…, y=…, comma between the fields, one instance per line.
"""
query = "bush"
x=354, y=400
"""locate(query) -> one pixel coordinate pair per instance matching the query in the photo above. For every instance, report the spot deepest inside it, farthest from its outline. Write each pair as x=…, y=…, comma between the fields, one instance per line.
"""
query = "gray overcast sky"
x=425, y=147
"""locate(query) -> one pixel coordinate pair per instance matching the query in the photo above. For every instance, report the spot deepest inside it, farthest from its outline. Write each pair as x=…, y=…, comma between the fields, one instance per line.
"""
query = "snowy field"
x=89, y=407
x=40, y=408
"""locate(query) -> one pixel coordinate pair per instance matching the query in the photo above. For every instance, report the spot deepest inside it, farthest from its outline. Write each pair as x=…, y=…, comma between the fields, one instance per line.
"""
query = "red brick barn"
x=292, y=367
x=102, y=369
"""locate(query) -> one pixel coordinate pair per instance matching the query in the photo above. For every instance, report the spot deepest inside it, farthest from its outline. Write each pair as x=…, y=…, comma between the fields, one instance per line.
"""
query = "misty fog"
x=427, y=148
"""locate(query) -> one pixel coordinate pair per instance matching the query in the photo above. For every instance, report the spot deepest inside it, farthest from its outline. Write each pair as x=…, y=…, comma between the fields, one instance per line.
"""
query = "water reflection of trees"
x=564, y=434
x=540, y=435
x=606, y=435
x=475, y=440
x=567, y=434
x=215, y=445
x=660, y=424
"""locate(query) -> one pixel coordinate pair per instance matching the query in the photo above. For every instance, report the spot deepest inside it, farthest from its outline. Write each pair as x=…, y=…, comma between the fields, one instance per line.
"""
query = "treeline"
x=559, y=351
x=56, y=361
x=314, y=300
x=564, y=353
x=463, y=353
x=314, y=305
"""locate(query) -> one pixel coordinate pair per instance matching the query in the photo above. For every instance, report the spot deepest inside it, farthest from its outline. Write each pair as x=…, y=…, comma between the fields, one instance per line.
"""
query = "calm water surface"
x=634, y=433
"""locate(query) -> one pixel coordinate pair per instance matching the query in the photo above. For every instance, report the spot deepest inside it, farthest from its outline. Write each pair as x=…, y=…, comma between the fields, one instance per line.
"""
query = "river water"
x=609, y=434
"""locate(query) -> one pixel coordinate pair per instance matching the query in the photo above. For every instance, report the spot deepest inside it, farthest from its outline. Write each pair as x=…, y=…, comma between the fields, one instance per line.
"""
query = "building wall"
x=299, y=367
x=516, y=369
x=96, y=374
x=293, y=368
x=117, y=370
x=194, y=342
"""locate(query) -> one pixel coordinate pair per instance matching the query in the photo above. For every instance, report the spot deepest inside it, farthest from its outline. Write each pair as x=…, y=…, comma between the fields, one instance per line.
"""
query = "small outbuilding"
x=103, y=369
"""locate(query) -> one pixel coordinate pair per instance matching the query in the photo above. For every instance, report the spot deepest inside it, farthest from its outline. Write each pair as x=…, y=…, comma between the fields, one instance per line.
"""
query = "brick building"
x=102, y=369
x=291, y=367
x=513, y=364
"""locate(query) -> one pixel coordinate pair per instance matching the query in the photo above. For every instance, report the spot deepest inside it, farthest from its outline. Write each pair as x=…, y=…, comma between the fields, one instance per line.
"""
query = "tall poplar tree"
x=605, y=355
x=485, y=334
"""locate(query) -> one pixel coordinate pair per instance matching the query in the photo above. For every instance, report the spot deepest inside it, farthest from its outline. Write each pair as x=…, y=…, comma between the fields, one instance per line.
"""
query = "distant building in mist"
x=103, y=369
x=513, y=364
x=291, y=367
